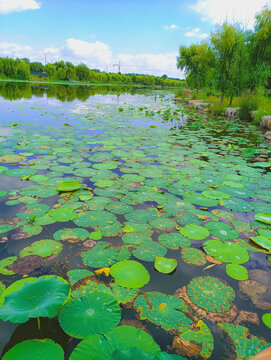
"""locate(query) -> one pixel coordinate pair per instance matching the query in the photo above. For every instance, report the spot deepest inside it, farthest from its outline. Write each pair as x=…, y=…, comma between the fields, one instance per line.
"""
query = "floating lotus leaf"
x=242, y=226
x=6, y=263
x=148, y=251
x=136, y=239
x=265, y=232
x=238, y=205
x=233, y=184
x=71, y=234
x=41, y=297
x=20, y=172
x=78, y=274
x=3, y=193
x=131, y=354
x=262, y=241
x=95, y=218
x=11, y=158
x=96, y=235
x=90, y=314
x=110, y=165
x=224, y=214
x=130, y=274
x=3, y=169
x=39, y=178
x=164, y=310
x=174, y=240
x=140, y=216
x=215, y=195
x=101, y=255
x=199, y=199
x=165, y=265
x=31, y=230
x=111, y=230
x=41, y=349
x=237, y=272
x=200, y=334
x=140, y=228
x=226, y=251
x=185, y=218
x=34, y=211
x=193, y=256
x=245, y=344
x=98, y=347
x=210, y=294
x=263, y=217
x=68, y=186
x=5, y=228
x=118, y=207
x=163, y=223
x=221, y=230
x=267, y=319
x=194, y=232
x=104, y=183
x=63, y=214
x=42, y=248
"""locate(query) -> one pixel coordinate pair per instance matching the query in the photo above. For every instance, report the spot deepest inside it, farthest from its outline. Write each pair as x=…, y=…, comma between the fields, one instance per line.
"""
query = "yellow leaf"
x=209, y=266
x=105, y=270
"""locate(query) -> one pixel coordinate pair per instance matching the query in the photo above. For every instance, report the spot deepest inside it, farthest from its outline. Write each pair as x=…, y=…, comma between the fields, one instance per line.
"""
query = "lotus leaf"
x=237, y=272
x=238, y=205
x=68, y=186
x=165, y=265
x=40, y=297
x=98, y=347
x=149, y=250
x=267, y=319
x=199, y=199
x=118, y=207
x=6, y=263
x=42, y=248
x=3, y=193
x=78, y=274
x=265, y=232
x=264, y=218
x=174, y=240
x=215, y=195
x=164, y=310
x=210, y=294
x=262, y=241
x=200, y=334
x=95, y=218
x=226, y=251
x=39, y=178
x=246, y=345
x=63, y=214
x=140, y=216
x=233, y=184
x=96, y=235
x=42, y=349
x=11, y=158
x=3, y=169
x=163, y=223
x=221, y=230
x=5, y=228
x=90, y=314
x=194, y=232
x=101, y=255
x=131, y=354
x=136, y=239
x=130, y=274
x=193, y=256
x=71, y=234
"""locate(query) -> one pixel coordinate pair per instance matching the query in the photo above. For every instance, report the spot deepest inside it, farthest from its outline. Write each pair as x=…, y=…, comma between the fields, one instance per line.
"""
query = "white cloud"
x=8, y=6
x=97, y=55
x=196, y=33
x=218, y=11
x=170, y=27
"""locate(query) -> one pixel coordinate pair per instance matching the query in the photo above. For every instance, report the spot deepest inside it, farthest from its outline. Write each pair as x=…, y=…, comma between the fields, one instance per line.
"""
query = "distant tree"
x=23, y=70
x=36, y=67
x=61, y=73
x=50, y=70
x=82, y=72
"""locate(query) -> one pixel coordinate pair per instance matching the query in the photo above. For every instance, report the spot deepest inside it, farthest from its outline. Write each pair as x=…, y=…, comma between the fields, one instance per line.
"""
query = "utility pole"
x=118, y=65
x=45, y=59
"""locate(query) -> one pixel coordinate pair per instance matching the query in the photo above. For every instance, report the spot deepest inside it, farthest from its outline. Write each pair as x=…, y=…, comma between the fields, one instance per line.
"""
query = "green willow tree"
x=197, y=61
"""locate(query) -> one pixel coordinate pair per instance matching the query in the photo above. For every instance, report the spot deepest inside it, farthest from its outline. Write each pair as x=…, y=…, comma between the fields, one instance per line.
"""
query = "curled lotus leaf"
x=226, y=251
x=210, y=294
x=215, y=194
x=262, y=241
x=100, y=256
x=264, y=218
x=200, y=334
x=221, y=230
x=194, y=232
x=41, y=349
x=237, y=272
x=67, y=186
x=165, y=265
x=130, y=274
x=164, y=310
x=41, y=297
x=42, y=248
x=90, y=314
x=245, y=344
x=121, y=338
x=193, y=256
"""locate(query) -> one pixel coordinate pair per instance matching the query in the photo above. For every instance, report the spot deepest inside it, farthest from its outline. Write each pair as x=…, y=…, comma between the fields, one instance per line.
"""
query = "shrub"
x=248, y=103
x=216, y=109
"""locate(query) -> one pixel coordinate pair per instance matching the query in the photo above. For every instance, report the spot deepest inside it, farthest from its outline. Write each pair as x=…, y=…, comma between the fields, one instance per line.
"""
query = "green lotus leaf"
x=34, y=210
x=199, y=199
x=128, y=229
x=90, y=314
x=118, y=207
x=78, y=274
x=246, y=345
x=200, y=334
x=39, y=178
x=130, y=274
x=163, y=223
x=5, y=263
x=42, y=349
x=136, y=239
x=131, y=354
x=101, y=255
x=3, y=193
x=68, y=186
x=233, y=184
x=95, y=218
x=210, y=294
x=71, y=234
x=20, y=172
x=221, y=230
x=165, y=265
x=194, y=232
x=164, y=310
x=226, y=251
x=104, y=183
x=42, y=248
x=237, y=272
x=42, y=297
x=96, y=235
x=265, y=233
x=262, y=241
x=3, y=169
x=193, y=256
x=267, y=319
x=11, y=158
x=224, y=214
x=98, y=347
x=109, y=165
x=148, y=251
x=63, y=214
x=5, y=228
x=263, y=217
x=140, y=216
x=238, y=205
x=215, y=195
x=174, y=240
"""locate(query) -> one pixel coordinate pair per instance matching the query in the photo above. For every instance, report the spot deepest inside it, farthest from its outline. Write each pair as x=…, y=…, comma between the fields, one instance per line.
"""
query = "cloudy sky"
x=143, y=35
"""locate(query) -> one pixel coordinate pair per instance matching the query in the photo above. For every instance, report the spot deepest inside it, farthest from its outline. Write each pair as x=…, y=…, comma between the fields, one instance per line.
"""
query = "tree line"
x=232, y=60
x=22, y=69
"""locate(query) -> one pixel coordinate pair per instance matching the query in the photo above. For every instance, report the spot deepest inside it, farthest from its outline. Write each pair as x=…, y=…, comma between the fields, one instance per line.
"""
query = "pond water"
x=95, y=177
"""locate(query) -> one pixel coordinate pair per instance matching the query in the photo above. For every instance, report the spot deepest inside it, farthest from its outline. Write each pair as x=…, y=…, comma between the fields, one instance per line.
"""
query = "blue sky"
x=145, y=34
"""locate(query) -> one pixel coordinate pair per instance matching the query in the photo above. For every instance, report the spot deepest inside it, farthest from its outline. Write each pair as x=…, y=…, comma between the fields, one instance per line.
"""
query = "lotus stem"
x=38, y=323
